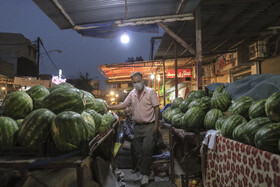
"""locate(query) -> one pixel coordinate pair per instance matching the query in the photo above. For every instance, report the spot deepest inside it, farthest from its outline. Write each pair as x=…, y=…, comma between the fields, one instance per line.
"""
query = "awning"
x=105, y=19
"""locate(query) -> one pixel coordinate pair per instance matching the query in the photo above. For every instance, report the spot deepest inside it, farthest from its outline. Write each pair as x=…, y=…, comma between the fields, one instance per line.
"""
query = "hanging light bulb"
x=125, y=38
x=152, y=76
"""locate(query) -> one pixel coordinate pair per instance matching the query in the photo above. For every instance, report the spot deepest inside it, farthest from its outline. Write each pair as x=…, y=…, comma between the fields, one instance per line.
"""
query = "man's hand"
x=155, y=128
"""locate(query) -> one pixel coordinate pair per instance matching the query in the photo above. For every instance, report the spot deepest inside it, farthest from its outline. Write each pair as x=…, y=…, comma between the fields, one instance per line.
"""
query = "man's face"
x=136, y=79
x=137, y=83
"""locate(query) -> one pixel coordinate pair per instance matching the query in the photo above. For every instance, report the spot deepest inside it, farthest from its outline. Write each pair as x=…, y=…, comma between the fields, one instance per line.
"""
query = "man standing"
x=145, y=110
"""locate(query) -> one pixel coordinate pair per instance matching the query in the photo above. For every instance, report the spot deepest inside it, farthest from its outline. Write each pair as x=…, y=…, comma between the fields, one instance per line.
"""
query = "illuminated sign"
x=181, y=73
x=57, y=80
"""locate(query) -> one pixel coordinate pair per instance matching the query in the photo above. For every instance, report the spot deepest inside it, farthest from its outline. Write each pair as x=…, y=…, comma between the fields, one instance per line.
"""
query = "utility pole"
x=38, y=57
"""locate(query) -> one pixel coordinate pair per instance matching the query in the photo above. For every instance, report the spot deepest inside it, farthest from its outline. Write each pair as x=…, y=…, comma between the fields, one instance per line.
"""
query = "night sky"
x=79, y=54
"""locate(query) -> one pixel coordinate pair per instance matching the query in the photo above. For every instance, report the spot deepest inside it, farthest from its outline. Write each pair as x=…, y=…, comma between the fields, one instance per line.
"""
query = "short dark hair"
x=135, y=74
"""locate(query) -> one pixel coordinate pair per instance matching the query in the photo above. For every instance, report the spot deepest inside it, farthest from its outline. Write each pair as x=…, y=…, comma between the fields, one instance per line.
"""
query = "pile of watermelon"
x=255, y=123
x=63, y=114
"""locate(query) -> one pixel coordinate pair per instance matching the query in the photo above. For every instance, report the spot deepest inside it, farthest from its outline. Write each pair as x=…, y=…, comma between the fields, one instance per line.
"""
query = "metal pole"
x=176, y=70
x=158, y=89
x=163, y=81
x=38, y=56
x=198, y=47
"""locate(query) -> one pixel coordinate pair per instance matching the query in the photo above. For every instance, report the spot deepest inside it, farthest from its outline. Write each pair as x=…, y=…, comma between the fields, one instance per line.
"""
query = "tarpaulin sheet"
x=256, y=86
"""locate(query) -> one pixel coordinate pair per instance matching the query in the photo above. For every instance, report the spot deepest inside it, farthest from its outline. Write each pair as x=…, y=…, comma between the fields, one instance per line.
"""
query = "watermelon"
x=109, y=118
x=8, y=129
x=253, y=126
x=191, y=94
x=172, y=113
x=193, y=119
x=199, y=103
x=257, y=109
x=96, y=116
x=241, y=107
x=272, y=107
x=91, y=129
x=206, y=99
x=221, y=101
x=68, y=130
x=17, y=104
x=244, y=98
x=19, y=122
x=60, y=86
x=219, y=122
x=176, y=120
x=89, y=99
x=199, y=93
x=231, y=123
x=64, y=100
x=165, y=112
x=38, y=92
x=185, y=104
x=35, y=128
x=239, y=133
x=219, y=89
x=267, y=137
x=100, y=106
x=177, y=102
x=211, y=117
x=38, y=103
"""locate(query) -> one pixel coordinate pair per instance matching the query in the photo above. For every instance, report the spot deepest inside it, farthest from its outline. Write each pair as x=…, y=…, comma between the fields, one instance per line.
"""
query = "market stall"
x=57, y=133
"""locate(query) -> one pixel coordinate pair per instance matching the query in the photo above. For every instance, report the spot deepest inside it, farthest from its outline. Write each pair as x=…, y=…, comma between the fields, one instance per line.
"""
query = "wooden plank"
x=177, y=38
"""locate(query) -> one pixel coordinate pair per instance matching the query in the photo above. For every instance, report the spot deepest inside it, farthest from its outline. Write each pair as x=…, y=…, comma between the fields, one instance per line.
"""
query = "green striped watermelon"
x=267, y=137
x=35, y=128
x=211, y=117
x=17, y=104
x=64, y=100
x=244, y=98
x=219, y=122
x=199, y=103
x=239, y=133
x=8, y=129
x=165, y=112
x=89, y=99
x=90, y=124
x=176, y=120
x=38, y=92
x=221, y=101
x=177, y=102
x=172, y=113
x=100, y=106
x=231, y=123
x=193, y=119
x=257, y=109
x=19, y=122
x=96, y=116
x=206, y=99
x=60, y=86
x=109, y=118
x=253, y=126
x=38, y=103
x=196, y=93
x=241, y=107
x=68, y=130
x=272, y=107
x=185, y=104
